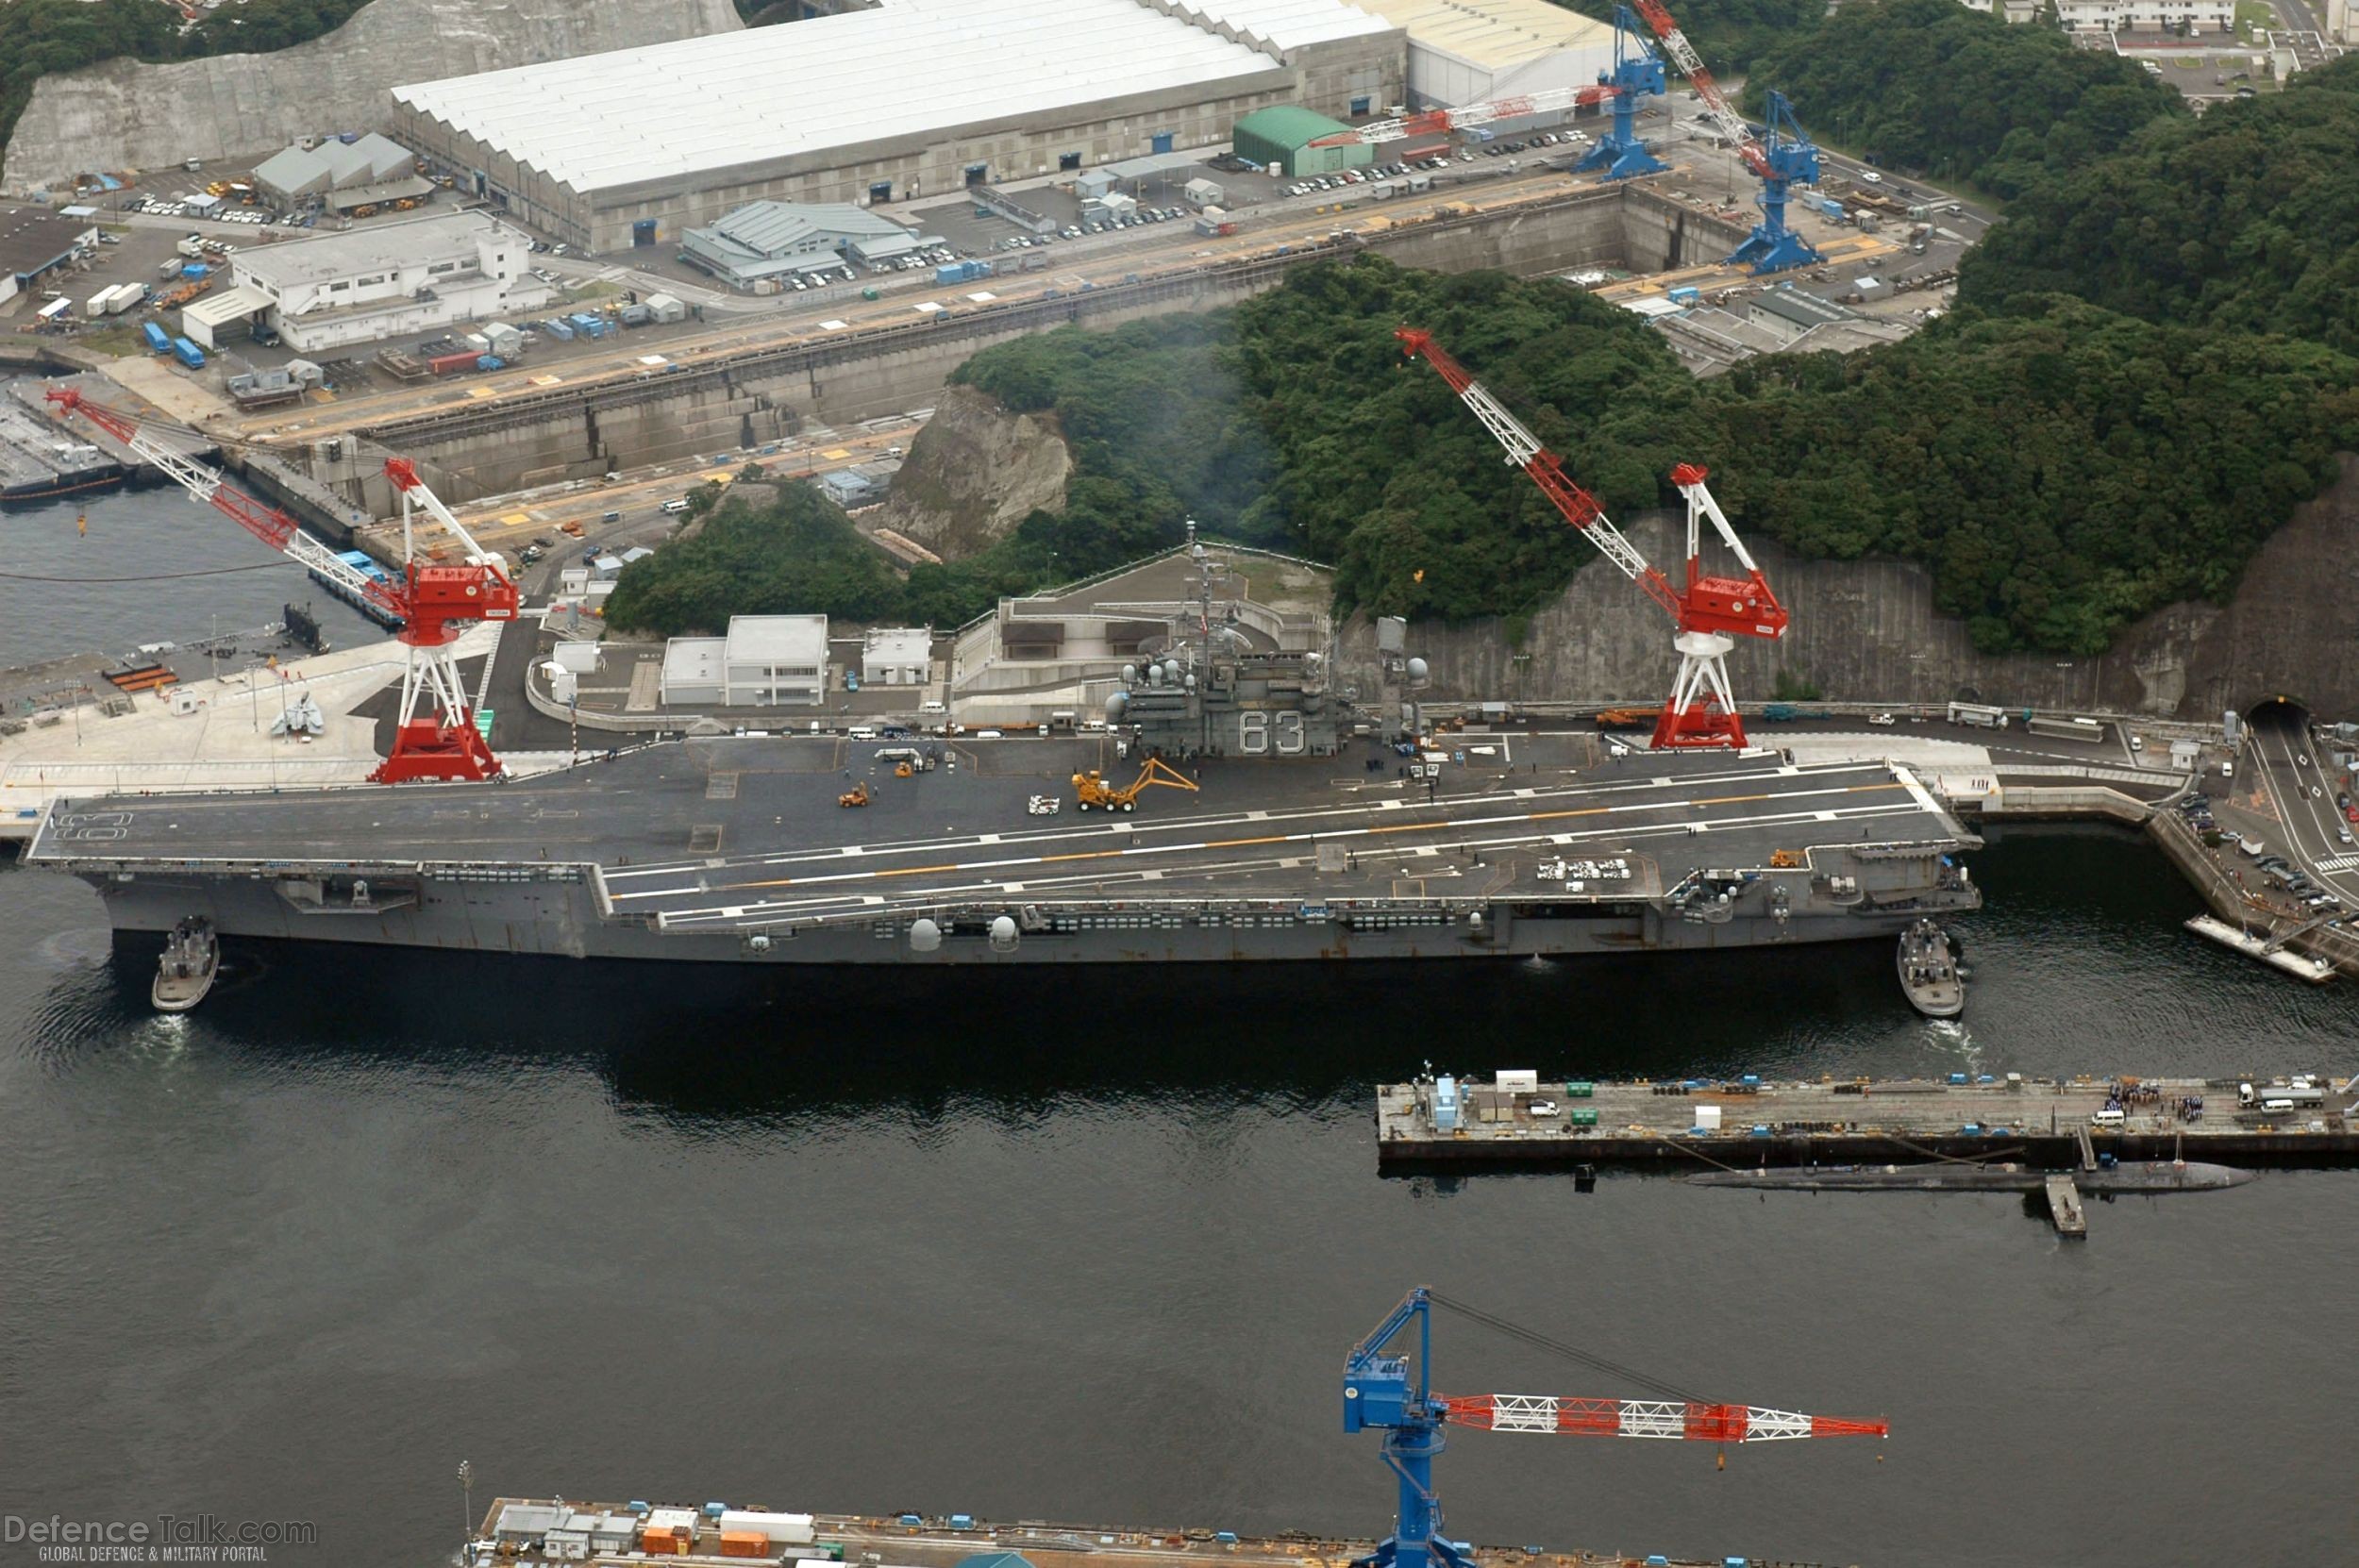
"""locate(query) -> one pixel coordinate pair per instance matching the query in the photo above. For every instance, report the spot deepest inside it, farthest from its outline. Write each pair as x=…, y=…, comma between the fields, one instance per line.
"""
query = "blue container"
x=962, y=1521
x=188, y=353
x=911, y=1519
x=714, y=1510
x=159, y=341
x=559, y=329
x=1751, y=1081
x=639, y=1507
x=195, y=269
x=1957, y=1077
x=1226, y=1538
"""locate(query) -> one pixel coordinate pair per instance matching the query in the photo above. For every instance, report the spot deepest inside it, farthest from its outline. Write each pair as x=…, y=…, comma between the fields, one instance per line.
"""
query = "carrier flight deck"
x=737, y=849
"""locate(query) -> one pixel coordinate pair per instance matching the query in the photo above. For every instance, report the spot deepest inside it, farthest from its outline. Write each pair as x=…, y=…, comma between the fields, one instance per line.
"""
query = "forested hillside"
x=1931, y=87
x=2246, y=220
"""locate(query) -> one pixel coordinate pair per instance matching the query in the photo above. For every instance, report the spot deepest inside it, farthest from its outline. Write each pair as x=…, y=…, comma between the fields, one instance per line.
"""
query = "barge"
x=1515, y=1122
x=533, y=1531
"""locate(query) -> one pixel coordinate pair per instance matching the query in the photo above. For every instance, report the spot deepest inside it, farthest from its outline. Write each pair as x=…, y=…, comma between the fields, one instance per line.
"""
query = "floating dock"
x=1515, y=1122
x=550, y=1531
x=2270, y=951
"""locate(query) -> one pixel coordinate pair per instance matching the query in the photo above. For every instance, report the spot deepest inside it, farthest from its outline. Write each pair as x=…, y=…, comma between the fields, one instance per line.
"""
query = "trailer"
x=54, y=309
x=187, y=354
x=159, y=341
x=123, y=296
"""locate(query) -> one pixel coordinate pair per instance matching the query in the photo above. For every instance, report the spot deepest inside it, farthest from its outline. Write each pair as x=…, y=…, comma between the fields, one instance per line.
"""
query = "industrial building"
x=388, y=279
x=2122, y=16
x=341, y=177
x=766, y=241
x=902, y=99
x=764, y=662
x=33, y=243
x=1789, y=314
x=1471, y=51
x=1280, y=140
x=896, y=656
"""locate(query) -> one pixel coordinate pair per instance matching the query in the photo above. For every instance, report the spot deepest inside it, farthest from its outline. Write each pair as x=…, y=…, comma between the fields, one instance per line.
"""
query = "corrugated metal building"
x=904, y=99
x=1468, y=51
x=1278, y=140
x=777, y=239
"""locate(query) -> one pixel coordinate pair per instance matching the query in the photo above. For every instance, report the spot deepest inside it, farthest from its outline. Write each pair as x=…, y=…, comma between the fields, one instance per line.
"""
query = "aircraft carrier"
x=735, y=850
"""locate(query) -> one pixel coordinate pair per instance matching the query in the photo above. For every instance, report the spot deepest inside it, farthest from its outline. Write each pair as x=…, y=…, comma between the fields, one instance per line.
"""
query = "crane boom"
x=1581, y=509
x=1686, y=1420
x=1391, y=1392
x=1731, y=124
x=204, y=483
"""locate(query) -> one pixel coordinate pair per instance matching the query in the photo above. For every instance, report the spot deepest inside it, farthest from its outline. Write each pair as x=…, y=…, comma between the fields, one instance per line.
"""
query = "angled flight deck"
x=737, y=849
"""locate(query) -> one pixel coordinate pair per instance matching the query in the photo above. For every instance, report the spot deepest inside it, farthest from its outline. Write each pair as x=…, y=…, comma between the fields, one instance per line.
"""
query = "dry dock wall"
x=1868, y=631
x=124, y=115
x=757, y=396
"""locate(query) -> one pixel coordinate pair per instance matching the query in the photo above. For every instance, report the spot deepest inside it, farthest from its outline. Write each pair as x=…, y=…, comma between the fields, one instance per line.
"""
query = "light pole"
x=466, y=1506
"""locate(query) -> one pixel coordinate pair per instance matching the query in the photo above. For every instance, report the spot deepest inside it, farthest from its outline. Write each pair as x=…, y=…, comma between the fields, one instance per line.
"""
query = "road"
x=2301, y=795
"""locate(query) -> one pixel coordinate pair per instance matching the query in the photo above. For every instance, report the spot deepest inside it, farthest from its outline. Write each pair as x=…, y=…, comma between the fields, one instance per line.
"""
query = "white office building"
x=896, y=656
x=764, y=662
x=2207, y=17
x=391, y=279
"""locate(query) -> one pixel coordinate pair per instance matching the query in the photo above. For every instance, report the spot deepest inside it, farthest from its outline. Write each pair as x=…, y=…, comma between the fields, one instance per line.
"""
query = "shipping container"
x=662, y=1543
x=559, y=329
x=188, y=353
x=96, y=305
x=159, y=341
x=125, y=295
x=54, y=309
x=744, y=1543
x=455, y=362
x=637, y=315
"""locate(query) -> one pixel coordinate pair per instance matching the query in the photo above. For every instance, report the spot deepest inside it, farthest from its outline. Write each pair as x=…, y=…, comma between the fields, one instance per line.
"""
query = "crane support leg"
x=1410, y=1452
x=1619, y=152
x=441, y=741
x=1772, y=247
x=1702, y=710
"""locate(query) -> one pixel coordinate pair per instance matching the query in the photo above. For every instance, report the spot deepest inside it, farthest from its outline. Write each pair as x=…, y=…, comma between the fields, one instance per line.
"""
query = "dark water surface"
x=1091, y=1245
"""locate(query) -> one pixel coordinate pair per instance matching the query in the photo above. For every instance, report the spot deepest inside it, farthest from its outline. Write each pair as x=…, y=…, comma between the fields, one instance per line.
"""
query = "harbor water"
x=1091, y=1245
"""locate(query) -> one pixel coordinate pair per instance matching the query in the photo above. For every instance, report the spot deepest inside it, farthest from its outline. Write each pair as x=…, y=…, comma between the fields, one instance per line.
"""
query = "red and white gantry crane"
x=1709, y=613
x=436, y=737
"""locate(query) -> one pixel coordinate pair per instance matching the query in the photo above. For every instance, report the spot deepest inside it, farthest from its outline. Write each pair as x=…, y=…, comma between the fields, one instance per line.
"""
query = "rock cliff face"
x=124, y=115
x=974, y=473
x=1863, y=630
x=1866, y=631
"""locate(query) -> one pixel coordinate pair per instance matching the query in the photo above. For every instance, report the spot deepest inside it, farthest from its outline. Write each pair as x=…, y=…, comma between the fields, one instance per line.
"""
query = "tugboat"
x=1929, y=971
x=186, y=972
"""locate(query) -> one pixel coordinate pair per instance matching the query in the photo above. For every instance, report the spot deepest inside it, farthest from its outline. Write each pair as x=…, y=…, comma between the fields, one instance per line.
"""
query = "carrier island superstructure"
x=1321, y=826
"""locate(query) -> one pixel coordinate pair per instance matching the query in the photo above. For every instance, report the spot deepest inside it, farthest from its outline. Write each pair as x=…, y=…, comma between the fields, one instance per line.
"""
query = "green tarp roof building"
x=1279, y=139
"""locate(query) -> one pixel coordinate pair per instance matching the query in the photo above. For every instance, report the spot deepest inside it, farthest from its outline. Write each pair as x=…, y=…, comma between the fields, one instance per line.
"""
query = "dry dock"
x=551, y=1530
x=1515, y=1122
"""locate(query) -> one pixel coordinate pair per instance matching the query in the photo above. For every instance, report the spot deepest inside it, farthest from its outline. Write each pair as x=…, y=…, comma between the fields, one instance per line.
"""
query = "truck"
x=159, y=341
x=1977, y=714
x=1213, y=219
x=191, y=245
x=188, y=353
x=2281, y=1096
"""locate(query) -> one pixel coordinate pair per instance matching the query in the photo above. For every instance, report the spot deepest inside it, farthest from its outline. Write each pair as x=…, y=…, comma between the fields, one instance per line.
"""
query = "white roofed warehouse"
x=908, y=98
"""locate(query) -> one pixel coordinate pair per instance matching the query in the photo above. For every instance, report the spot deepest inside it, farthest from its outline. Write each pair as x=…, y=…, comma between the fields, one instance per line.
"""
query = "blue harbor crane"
x=1788, y=157
x=1383, y=1392
x=1636, y=70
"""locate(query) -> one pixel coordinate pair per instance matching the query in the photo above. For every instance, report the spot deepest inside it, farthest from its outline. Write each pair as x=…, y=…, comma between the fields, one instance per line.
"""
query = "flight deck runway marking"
x=1589, y=786
x=1370, y=830
x=819, y=906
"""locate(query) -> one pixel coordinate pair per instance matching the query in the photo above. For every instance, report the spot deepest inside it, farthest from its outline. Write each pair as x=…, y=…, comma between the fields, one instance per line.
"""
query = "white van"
x=862, y=733
x=2107, y=1118
x=675, y=507
x=933, y=708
